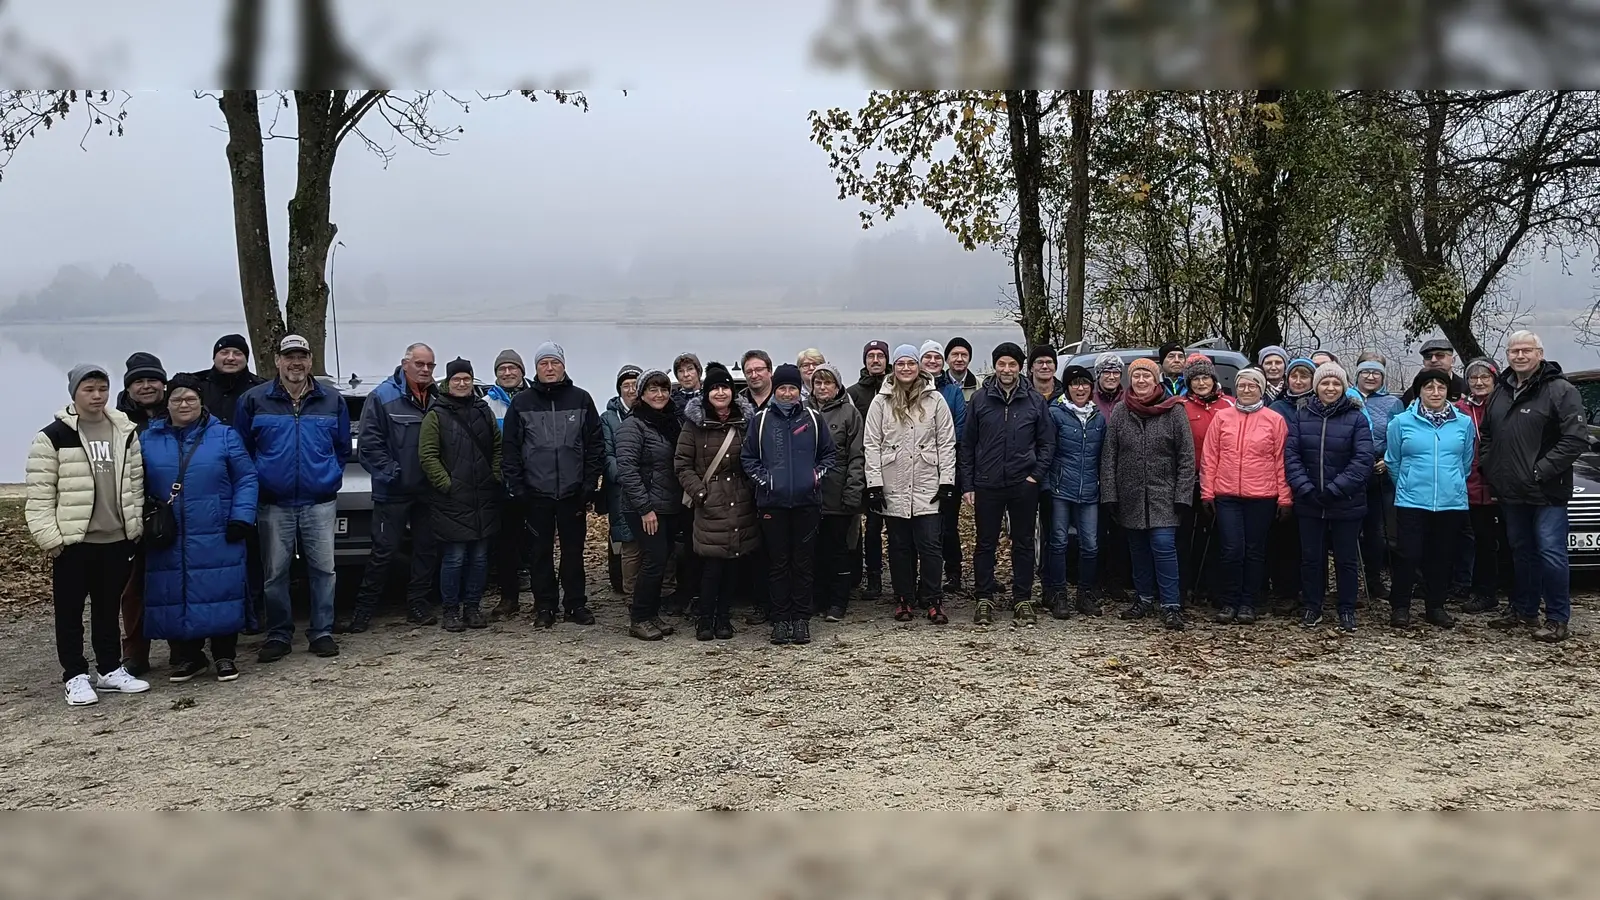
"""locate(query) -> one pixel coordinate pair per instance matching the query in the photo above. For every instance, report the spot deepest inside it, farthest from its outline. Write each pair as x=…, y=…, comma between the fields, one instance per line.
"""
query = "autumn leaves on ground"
x=1087, y=713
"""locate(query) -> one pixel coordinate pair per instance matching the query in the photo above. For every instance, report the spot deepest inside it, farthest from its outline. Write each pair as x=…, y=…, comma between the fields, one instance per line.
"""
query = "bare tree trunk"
x=1023, y=113
x=1263, y=236
x=257, y=284
x=1081, y=111
x=310, y=233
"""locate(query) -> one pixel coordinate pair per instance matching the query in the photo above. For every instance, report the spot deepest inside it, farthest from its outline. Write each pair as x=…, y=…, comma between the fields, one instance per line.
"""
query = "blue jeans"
x=281, y=529
x=1538, y=536
x=1155, y=563
x=1085, y=517
x=1242, y=524
x=463, y=569
x=1316, y=535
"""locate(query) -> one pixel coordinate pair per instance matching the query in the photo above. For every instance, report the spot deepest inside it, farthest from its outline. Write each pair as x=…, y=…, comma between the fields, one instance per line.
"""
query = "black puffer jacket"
x=459, y=450
x=1532, y=436
x=862, y=392
x=1006, y=439
x=644, y=464
x=554, y=448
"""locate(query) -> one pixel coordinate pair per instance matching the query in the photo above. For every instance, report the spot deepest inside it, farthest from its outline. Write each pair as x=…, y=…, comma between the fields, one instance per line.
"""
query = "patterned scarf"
x=1248, y=408
x=1436, y=417
x=1082, y=412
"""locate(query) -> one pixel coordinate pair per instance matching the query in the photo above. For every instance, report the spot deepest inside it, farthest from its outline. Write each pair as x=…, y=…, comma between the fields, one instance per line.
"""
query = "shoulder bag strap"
x=183, y=461
x=727, y=441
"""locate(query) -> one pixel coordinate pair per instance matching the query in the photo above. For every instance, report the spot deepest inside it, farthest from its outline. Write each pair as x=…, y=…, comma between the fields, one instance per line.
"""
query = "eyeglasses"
x=755, y=370
x=423, y=365
x=184, y=401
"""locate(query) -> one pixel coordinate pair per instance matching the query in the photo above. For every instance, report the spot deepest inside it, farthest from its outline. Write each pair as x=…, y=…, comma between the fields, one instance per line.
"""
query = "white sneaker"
x=121, y=682
x=79, y=693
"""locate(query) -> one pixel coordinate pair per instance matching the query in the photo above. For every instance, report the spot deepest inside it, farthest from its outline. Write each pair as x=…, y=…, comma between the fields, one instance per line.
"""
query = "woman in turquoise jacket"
x=1429, y=456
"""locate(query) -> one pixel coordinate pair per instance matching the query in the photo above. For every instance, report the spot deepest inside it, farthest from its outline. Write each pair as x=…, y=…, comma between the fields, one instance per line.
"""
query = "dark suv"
x=1583, y=511
x=1228, y=362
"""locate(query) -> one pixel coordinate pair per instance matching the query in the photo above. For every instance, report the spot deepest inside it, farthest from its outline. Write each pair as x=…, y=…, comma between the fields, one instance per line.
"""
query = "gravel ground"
x=1090, y=713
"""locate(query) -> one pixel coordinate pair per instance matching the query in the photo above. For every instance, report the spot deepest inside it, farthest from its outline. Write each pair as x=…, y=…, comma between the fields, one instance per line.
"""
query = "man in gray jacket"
x=553, y=457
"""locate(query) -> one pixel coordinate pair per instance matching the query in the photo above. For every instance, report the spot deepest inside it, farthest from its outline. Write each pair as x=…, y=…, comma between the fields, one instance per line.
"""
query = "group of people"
x=179, y=507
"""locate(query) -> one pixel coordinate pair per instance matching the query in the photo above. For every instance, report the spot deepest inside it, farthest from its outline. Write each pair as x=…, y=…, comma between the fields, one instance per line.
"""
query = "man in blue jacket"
x=787, y=451
x=1003, y=456
x=298, y=433
x=391, y=428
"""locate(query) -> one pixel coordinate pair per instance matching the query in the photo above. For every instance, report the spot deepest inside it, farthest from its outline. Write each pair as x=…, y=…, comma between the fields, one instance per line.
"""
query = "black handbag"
x=160, y=520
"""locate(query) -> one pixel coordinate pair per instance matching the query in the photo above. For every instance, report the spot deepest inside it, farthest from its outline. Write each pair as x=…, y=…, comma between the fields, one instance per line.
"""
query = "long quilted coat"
x=725, y=523
x=196, y=587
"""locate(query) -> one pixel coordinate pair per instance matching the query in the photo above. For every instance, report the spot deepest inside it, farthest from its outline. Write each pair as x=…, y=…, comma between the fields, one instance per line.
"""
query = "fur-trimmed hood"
x=742, y=412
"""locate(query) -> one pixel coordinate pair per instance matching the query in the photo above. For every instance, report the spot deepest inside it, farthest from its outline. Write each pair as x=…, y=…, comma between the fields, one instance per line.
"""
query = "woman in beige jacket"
x=85, y=509
x=910, y=440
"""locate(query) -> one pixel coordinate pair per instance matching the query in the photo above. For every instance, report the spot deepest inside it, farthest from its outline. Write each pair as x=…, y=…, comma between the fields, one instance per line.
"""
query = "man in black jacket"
x=1439, y=354
x=1533, y=431
x=553, y=458
x=1002, y=458
x=144, y=400
x=228, y=379
x=868, y=553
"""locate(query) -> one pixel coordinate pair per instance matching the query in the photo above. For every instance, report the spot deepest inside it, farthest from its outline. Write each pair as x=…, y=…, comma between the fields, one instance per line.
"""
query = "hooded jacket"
x=554, y=448
x=844, y=485
x=1244, y=456
x=787, y=453
x=1430, y=464
x=1006, y=440
x=1531, y=437
x=459, y=451
x=1328, y=458
x=1075, y=471
x=862, y=392
x=910, y=460
x=391, y=427
x=1147, y=467
x=60, y=481
x=196, y=588
x=220, y=393
x=725, y=518
x=610, y=424
x=299, y=453
x=645, y=477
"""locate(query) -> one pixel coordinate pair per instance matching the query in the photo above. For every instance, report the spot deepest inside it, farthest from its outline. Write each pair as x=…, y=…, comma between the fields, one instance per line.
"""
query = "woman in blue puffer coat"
x=1074, y=489
x=1429, y=456
x=1328, y=459
x=195, y=588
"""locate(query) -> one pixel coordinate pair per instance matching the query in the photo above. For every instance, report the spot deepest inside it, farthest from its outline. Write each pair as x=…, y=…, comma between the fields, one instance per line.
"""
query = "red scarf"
x=1144, y=409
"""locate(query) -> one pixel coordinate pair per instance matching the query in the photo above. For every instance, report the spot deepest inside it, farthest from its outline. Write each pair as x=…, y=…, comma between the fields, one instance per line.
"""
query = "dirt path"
x=876, y=714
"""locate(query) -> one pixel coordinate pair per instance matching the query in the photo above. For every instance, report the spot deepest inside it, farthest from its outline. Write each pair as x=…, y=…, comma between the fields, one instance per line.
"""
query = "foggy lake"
x=40, y=355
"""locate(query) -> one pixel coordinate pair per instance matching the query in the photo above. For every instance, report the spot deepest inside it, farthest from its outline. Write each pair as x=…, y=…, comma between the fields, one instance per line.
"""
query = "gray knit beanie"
x=83, y=371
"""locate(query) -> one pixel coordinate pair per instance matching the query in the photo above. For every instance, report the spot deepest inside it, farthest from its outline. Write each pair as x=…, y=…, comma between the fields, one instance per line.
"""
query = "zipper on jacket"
x=1322, y=465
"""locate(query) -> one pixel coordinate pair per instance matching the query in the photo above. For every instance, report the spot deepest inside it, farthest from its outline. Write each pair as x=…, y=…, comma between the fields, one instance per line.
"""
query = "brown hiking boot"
x=645, y=631
x=1552, y=632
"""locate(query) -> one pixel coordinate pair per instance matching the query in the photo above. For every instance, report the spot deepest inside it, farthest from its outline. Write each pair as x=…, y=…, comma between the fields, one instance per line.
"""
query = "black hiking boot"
x=452, y=620
x=1089, y=602
x=1141, y=607
x=703, y=630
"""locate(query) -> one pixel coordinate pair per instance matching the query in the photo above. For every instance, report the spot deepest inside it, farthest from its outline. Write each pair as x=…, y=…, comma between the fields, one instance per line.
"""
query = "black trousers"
x=655, y=551
x=1283, y=558
x=1115, y=564
x=1020, y=505
x=389, y=521
x=870, y=552
x=832, y=573
x=510, y=548
x=97, y=572
x=790, y=536
x=548, y=519
x=914, y=558
x=950, y=538
x=1491, y=565
x=719, y=581
x=1427, y=545
x=223, y=646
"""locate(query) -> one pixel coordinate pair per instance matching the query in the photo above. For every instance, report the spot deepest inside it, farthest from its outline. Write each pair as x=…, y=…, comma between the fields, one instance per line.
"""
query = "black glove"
x=238, y=531
x=947, y=492
x=875, y=500
x=1284, y=512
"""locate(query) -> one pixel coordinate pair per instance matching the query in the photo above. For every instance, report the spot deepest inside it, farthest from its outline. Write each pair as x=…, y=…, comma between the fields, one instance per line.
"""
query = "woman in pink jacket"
x=1242, y=481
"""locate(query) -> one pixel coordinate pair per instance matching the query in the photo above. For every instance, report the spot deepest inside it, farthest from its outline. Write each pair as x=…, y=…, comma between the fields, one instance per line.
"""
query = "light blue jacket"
x=1429, y=464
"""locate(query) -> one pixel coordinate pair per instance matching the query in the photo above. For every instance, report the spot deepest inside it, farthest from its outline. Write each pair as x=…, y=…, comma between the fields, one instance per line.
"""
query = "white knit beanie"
x=1331, y=370
x=931, y=347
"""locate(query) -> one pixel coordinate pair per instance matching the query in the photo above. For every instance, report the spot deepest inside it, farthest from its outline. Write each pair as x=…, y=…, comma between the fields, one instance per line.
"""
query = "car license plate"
x=341, y=526
x=1583, y=540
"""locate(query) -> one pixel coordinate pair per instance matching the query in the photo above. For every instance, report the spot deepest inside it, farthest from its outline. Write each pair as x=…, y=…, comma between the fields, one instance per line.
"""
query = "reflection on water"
x=40, y=356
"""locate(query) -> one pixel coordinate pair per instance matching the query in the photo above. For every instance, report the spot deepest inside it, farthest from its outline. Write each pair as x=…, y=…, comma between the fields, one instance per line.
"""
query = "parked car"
x=1228, y=362
x=1583, y=512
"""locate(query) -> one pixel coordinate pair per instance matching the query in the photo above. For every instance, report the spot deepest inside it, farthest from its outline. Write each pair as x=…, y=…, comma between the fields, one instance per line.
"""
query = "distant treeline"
x=77, y=292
